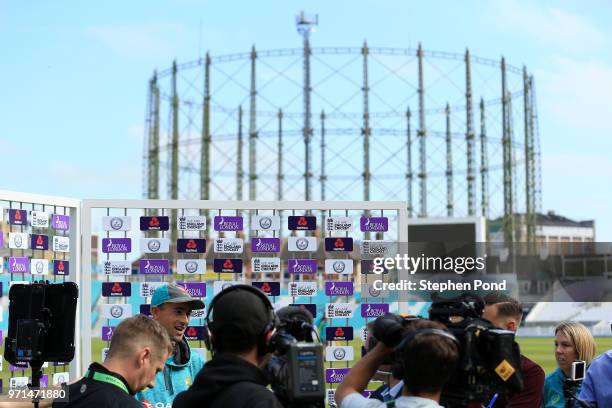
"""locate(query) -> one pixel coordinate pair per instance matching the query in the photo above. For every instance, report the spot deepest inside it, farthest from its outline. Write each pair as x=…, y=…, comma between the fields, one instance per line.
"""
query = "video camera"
x=296, y=367
x=489, y=358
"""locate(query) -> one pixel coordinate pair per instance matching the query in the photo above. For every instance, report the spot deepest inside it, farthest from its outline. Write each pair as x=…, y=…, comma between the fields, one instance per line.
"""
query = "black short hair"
x=429, y=360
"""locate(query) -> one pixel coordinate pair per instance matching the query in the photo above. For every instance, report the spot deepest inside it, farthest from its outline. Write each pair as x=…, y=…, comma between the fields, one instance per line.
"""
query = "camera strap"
x=107, y=378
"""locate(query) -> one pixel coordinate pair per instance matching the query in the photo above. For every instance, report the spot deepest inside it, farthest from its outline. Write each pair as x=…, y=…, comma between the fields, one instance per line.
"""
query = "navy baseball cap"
x=173, y=293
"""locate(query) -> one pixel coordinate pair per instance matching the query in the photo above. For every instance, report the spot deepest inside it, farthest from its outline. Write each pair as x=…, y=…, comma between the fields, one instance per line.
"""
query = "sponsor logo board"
x=338, y=224
x=339, y=353
x=155, y=245
x=265, y=245
x=155, y=223
x=339, y=266
x=302, y=244
x=265, y=222
x=227, y=223
x=191, y=223
x=229, y=245
x=269, y=288
x=116, y=223
x=40, y=219
x=302, y=289
x=117, y=268
x=339, y=310
x=265, y=265
x=116, y=311
x=191, y=266
x=116, y=245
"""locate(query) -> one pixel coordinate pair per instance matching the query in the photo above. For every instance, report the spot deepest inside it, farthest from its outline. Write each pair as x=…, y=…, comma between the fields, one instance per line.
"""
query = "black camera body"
x=296, y=367
x=490, y=359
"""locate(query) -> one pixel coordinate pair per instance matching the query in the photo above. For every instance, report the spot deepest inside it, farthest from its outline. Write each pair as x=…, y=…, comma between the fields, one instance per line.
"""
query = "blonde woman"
x=573, y=342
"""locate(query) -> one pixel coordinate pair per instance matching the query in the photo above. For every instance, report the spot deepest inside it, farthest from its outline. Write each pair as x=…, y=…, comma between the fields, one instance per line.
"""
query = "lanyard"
x=109, y=379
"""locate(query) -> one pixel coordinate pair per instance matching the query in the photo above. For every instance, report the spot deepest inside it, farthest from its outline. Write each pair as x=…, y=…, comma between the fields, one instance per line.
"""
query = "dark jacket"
x=532, y=394
x=228, y=381
x=88, y=392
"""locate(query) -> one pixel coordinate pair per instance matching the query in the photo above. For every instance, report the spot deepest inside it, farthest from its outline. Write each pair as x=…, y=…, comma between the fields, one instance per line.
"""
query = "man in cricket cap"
x=171, y=306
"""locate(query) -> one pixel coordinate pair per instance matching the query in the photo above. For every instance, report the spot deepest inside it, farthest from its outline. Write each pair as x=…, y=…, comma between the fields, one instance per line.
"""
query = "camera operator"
x=392, y=386
x=238, y=335
x=597, y=385
x=138, y=350
x=506, y=313
x=296, y=367
x=428, y=355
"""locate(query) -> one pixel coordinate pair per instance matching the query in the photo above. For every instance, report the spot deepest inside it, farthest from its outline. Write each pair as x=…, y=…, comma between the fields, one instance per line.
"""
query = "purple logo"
x=194, y=333
x=335, y=333
x=61, y=267
x=302, y=222
x=107, y=332
x=1, y=239
x=145, y=310
x=18, y=366
x=269, y=288
x=335, y=375
x=60, y=222
x=339, y=244
x=376, y=224
x=112, y=289
x=227, y=265
x=367, y=393
x=334, y=288
x=155, y=223
x=191, y=245
x=374, y=309
x=40, y=241
x=195, y=289
x=302, y=266
x=311, y=307
x=154, y=267
x=19, y=264
x=265, y=245
x=116, y=245
x=224, y=223
x=18, y=217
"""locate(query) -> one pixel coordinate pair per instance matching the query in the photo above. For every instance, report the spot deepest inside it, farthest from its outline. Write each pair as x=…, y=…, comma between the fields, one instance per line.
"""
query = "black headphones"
x=264, y=338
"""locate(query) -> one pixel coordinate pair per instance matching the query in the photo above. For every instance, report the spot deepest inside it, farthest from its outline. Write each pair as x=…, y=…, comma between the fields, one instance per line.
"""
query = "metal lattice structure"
x=370, y=146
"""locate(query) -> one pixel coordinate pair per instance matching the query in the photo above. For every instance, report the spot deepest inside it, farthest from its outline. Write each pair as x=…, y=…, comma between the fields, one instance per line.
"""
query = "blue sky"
x=74, y=77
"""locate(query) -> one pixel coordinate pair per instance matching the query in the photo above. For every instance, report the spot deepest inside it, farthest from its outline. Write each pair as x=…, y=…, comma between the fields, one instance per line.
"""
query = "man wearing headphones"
x=239, y=326
x=428, y=355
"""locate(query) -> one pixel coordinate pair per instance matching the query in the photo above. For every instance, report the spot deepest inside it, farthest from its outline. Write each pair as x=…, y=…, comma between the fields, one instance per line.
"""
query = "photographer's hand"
x=361, y=373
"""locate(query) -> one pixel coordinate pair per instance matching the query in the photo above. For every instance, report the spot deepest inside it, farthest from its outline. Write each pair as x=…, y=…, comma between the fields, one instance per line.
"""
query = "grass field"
x=541, y=350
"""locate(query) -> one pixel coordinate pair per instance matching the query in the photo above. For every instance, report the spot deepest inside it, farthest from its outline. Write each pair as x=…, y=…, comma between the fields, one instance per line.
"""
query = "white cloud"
x=576, y=93
x=553, y=27
x=135, y=134
x=7, y=145
x=146, y=39
x=574, y=186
